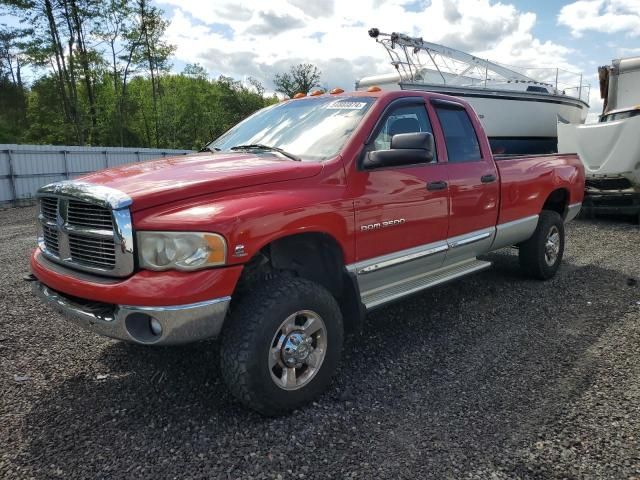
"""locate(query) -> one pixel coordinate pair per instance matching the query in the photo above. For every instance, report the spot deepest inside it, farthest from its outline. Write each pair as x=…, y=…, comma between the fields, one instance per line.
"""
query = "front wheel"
x=281, y=345
x=541, y=255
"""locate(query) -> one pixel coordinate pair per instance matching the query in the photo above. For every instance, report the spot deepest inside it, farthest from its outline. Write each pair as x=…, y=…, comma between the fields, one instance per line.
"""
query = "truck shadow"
x=465, y=370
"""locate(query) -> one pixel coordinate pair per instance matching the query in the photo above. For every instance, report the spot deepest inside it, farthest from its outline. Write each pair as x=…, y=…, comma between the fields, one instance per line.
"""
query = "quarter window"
x=459, y=135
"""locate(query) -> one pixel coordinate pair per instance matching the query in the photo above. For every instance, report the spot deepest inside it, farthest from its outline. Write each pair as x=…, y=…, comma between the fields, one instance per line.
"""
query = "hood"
x=177, y=178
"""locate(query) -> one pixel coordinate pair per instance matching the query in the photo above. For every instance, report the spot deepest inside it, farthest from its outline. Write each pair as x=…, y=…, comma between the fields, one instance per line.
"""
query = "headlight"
x=180, y=250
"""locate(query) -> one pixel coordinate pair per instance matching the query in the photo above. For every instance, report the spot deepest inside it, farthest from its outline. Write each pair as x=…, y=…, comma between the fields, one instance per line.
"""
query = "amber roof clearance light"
x=300, y=95
x=315, y=93
x=335, y=91
x=374, y=88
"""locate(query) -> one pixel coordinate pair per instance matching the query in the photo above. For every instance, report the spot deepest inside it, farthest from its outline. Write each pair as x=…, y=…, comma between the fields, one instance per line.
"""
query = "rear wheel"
x=541, y=255
x=281, y=345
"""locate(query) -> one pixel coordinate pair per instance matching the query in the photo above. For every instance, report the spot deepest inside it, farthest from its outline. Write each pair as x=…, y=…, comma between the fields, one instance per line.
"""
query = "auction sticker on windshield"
x=342, y=105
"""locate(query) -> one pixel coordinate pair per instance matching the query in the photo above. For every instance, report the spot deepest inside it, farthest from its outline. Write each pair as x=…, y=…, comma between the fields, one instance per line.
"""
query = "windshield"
x=312, y=129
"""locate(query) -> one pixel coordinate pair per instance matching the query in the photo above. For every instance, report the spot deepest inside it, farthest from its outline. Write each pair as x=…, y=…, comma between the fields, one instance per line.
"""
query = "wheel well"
x=315, y=256
x=557, y=201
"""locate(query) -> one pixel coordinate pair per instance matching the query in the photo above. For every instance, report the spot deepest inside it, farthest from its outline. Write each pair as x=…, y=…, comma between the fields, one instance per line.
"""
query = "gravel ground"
x=493, y=377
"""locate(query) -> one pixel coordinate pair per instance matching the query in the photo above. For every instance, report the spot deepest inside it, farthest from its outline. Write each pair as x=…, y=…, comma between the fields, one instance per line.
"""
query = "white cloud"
x=606, y=16
x=269, y=37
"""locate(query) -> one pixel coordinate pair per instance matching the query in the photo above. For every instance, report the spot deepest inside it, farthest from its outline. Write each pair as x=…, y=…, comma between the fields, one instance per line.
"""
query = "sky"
x=262, y=37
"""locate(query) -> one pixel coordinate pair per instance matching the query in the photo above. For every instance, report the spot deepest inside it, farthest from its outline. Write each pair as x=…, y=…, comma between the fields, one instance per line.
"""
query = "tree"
x=155, y=53
x=99, y=74
x=300, y=78
x=117, y=30
x=13, y=102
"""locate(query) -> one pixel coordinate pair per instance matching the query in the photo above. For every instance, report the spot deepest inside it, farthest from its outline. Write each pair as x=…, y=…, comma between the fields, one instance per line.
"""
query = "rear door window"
x=459, y=135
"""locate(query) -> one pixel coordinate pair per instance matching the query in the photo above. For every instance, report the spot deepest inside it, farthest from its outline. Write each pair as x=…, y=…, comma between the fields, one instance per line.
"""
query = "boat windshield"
x=620, y=115
x=313, y=129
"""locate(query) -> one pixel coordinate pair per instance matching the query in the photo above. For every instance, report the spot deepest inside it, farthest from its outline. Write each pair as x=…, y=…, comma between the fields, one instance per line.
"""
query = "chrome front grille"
x=86, y=227
x=86, y=215
x=50, y=237
x=49, y=208
x=97, y=252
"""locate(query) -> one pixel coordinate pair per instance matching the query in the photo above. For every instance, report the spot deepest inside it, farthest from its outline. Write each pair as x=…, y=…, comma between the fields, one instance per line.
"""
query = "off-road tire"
x=532, y=252
x=248, y=333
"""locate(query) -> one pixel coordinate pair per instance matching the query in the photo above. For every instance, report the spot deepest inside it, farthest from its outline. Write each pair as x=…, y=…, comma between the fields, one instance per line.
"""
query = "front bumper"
x=173, y=325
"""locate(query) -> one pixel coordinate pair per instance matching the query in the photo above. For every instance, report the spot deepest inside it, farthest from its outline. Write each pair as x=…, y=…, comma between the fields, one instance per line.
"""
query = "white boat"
x=610, y=149
x=519, y=113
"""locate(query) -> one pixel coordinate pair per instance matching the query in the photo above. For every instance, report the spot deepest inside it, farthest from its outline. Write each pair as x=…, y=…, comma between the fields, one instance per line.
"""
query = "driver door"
x=401, y=211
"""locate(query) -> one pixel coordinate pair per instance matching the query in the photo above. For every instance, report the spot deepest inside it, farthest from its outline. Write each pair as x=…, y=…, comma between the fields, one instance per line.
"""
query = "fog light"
x=156, y=328
x=143, y=328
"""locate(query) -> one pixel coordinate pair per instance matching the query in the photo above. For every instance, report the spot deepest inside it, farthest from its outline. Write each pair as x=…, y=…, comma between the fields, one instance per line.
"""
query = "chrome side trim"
x=370, y=265
x=180, y=323
x=512, y=233
x=99, y=194
x=572, y=211
x=472, y=239
x=469, y=245
x=403, y=259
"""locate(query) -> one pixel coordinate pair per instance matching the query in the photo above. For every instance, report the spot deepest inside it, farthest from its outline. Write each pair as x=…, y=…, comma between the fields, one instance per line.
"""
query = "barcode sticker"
x=341, y=105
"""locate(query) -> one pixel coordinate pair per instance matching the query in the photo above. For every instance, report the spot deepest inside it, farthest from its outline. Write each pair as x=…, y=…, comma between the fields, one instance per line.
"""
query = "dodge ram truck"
x=281, y=234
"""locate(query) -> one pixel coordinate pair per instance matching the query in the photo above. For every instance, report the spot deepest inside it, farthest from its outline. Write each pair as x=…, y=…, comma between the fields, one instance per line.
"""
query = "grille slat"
x=49, y=208
x=81, y=250
x=97, y=255
x=92, y=257
x=93, y=242
x=50, y=237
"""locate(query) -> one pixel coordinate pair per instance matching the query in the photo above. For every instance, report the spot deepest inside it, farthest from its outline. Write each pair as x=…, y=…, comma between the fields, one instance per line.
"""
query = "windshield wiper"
x=260, y=146
x=209, y=148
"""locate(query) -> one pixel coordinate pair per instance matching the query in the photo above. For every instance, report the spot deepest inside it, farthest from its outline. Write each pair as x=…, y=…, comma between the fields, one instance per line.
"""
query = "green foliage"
x=195, y=110
x=116, y=91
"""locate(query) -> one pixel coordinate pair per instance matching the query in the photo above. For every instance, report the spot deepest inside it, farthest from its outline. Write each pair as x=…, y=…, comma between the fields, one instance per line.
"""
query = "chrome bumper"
x=171, y=325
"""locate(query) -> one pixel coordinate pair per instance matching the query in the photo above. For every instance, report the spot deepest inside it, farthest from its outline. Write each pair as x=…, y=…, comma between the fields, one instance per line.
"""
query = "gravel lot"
x=493, y=377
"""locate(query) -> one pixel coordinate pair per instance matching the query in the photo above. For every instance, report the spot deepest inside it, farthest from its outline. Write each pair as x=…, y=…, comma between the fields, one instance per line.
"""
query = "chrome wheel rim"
x=297, y=350
x=552, y=246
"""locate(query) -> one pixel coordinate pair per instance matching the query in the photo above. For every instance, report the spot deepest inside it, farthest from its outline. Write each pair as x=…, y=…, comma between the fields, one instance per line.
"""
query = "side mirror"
x=406, y=149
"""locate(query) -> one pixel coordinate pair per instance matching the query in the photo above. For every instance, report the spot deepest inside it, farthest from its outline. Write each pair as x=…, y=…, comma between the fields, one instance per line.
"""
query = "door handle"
x=488, y=178
x=439, y=185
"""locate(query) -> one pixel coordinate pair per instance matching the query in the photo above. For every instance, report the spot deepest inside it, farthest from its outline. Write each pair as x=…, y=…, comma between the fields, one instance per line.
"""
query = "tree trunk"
x=84, y=63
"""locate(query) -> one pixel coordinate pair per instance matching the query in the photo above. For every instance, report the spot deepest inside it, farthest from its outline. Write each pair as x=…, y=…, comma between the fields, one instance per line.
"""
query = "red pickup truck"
x=291, y=226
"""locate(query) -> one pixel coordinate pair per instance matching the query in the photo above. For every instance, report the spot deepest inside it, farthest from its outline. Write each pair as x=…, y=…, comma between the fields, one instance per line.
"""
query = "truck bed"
x=528, y=180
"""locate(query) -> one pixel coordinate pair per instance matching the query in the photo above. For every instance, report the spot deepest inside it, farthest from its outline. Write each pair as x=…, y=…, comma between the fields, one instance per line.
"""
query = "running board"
x=382, y=295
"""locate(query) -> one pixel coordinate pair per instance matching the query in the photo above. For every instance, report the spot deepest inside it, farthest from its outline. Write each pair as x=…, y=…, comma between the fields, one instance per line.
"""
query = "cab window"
x=407, y=119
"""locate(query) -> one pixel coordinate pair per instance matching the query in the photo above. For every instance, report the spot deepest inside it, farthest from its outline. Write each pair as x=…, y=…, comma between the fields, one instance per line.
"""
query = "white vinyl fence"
x=25, y=168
